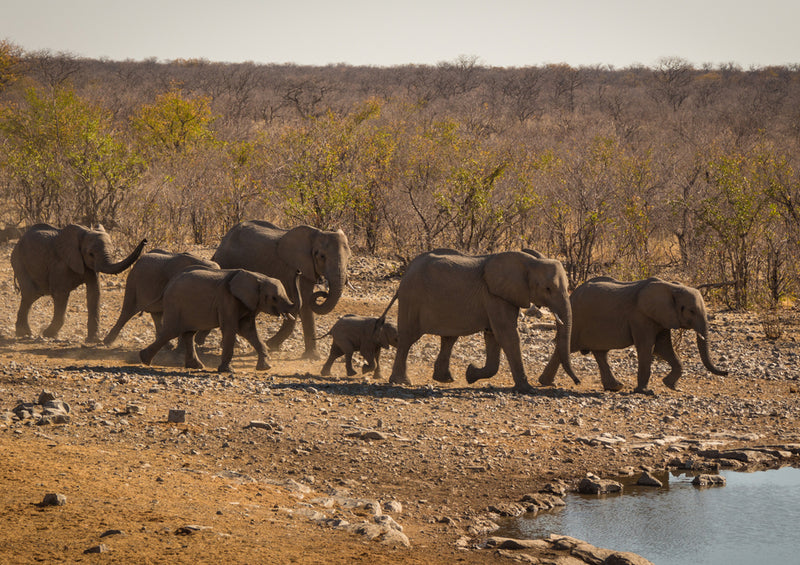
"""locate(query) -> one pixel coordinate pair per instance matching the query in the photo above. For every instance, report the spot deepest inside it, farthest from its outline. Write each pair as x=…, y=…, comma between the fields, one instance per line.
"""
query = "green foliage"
x=174, y=123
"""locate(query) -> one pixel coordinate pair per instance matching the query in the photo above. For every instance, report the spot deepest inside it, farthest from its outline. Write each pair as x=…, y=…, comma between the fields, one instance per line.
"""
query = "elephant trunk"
x=336, y=282
x=702, y=347
x=106, y=266
x=563, y=337
x=298, y=303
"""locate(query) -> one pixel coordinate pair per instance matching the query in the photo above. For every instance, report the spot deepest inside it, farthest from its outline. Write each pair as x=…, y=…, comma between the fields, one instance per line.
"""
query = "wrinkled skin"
x=450, y=294
x=201, y=298
x=367, y=335
x=145, y=286
x=320, y=256
x=608, y=314
x=48, y=261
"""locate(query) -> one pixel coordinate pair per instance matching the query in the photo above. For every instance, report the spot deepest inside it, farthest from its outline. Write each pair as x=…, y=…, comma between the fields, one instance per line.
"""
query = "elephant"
x=145, y=286
x=449, y=294
x=276, y=252
x=367, y=335
x=48, y=261
x=609, y=314
x=202, y=298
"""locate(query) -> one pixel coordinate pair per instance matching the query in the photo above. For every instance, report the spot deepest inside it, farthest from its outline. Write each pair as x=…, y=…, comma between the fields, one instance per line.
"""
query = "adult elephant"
x=320, y=256
x=608, y=314
x=449, y=294
x=145, y=286
x=48, y=261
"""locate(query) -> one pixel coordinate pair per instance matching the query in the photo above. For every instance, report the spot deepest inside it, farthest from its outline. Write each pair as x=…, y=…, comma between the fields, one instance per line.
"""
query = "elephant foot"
x=474, y=374
x=443, y=377
x=23, y=332
x=224, y=368
x=92, y=339
x=351, y=372
x=145, y=357
x=326, y=371
x=645, y=391
x=670, y=382
x=262, y=365
x=377, y=374
x=399, y=380
x=616, y=386
x=523, y=388
x=311, y=354
x=366, y=368
x=50, y=332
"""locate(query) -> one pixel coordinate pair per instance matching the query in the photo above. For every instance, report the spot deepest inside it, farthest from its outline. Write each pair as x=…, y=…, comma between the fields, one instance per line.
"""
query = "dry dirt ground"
x=301, y=485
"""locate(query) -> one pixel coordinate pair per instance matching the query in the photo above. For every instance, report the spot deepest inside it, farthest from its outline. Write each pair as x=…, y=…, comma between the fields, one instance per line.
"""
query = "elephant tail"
x=391, y=302
x=326, y=334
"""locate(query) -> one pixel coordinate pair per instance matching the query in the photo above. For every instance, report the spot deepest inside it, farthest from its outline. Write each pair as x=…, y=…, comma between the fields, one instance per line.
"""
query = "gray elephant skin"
x=449, y=294
x=608, y=314
x=276, y=252
x=365, y=334
x=201, y=299
x=48, y=261
x=145, y=286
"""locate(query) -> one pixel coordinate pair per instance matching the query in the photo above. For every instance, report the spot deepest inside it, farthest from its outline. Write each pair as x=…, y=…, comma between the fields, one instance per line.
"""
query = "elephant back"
x=251, y=245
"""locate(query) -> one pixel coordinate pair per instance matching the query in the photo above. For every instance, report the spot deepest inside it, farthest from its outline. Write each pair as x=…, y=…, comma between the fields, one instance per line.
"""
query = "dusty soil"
x=215, y=488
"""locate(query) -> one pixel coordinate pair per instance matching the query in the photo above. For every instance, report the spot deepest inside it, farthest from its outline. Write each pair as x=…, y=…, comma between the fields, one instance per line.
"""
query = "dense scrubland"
x=670, y=170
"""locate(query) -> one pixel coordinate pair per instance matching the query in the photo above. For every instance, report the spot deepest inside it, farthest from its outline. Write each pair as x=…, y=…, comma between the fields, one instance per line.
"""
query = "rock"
x=45, y=396
x=511, y=543
x=592, y=484
x=53, y=499
x=482, y=526
x=388, y=522
x=111, y=533
x=134, y=409
x=393, y=507
x=176, y=416
x=709, y=481
x=190, y=529
x=395, y=538
x=102, y=548
x=648, y=480
x=259, y=424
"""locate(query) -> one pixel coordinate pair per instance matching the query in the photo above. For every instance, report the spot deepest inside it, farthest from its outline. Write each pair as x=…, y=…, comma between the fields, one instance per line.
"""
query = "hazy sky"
x=363, y=32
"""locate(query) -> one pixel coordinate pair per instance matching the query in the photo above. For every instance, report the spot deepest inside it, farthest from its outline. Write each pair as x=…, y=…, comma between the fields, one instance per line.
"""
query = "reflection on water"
x=754, y=519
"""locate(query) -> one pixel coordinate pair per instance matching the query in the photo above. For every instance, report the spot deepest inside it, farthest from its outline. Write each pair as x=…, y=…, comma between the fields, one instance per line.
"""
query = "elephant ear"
x=295, y=248
x=657, y=301
x=244, y=286
x=68, y=247
x=506, y=276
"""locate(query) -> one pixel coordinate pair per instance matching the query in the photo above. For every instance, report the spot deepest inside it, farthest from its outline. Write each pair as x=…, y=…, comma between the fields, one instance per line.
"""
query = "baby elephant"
x=363, y=334
x=201, y=299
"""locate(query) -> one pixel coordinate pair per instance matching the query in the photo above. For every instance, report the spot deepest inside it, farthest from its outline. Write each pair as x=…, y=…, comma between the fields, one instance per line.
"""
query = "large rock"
x=592, y=484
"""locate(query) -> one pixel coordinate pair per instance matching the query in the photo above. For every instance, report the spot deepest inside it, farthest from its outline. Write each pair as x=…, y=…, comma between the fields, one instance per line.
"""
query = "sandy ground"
x=286, y=466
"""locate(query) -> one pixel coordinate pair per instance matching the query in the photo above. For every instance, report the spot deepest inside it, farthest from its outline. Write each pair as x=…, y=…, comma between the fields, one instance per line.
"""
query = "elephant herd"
x=260, y=267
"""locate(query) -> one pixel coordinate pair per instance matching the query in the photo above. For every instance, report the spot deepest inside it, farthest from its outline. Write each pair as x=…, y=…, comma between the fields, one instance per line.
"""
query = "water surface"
x=754, y=519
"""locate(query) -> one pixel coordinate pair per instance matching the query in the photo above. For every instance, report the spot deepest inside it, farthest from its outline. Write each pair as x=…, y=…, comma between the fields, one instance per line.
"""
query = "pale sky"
x=506, y=33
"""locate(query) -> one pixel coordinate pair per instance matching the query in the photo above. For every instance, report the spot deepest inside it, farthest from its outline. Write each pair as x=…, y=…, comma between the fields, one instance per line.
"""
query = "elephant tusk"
x=701, y=337
x=558, y=319
x=290, y=316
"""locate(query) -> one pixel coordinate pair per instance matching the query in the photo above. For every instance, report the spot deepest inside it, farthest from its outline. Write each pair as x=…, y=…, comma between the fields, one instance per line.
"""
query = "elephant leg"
x=308, y=322
x=191, y=360
x=663, y=348
x=441, y=368
x=377, y=373
x=504, y=328
x=92, y=308
x=335, y=353
x=548, y=376
x=228, y=342
x=283, y=333
x=348, y=363
x=60, y=300
x=247, y=328
x=200, y=337
x=127, y=312
x=610, y=383
x=22, y=327
x=492, y=360
x=158, y=323
x=404, y=342
x=146, y=355
x=644, y=351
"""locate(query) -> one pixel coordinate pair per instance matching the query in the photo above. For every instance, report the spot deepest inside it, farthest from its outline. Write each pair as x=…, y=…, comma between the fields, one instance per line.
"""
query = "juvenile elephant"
x=450, y=294
x=48, y=261
x=145, y=286
x=202, y=298
x=321, y=256
x=367, y=335
x=609, y=314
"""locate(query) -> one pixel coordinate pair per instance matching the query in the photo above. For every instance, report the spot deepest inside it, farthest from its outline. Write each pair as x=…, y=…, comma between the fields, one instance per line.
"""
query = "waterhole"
x=755, y=518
